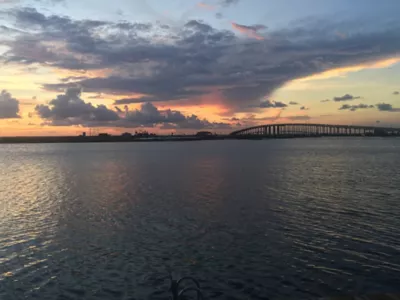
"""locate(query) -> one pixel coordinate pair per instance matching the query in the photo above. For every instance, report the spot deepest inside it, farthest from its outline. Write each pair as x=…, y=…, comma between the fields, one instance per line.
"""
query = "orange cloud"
x=251, y=31
x=206, y=6
x=342, y=72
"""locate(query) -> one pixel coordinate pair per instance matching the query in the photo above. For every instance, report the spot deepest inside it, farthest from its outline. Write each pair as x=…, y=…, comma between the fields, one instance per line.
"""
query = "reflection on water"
x=249, y=219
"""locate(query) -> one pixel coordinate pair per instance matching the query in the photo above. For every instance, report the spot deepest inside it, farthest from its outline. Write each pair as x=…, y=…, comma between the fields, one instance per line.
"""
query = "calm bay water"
x=298, y=218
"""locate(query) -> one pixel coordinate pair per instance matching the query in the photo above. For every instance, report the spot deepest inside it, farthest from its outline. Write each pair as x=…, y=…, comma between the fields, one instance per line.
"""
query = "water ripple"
x=265, y=219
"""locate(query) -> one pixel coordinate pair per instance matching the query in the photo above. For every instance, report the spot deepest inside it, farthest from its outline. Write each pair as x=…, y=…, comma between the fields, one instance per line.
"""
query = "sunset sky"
x=186, y=65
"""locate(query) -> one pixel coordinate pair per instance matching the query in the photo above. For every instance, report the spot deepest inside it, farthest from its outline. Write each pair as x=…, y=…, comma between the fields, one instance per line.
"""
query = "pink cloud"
x=251, y=31
x=206, y=6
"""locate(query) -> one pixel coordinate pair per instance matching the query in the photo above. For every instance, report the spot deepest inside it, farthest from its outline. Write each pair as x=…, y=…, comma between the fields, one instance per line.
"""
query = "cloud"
x=252, y=120
x=387, y=107
x=73, y=78
x=198, y=26
x=251, y=31
x=206, y=6
x=293, y=103
x=304, y=108
x=396, y=93
x=324, y=101
x=355, y=107
x=178, y=96
x=346, y=97
x=298, y=118
x=272, y=104
x=341, y=35
x=98, y=96
x=149, y=115
x=228, y=2
x=69, y=109
x=342, y=71
x=191, y=61
x=8, y=1
x=9, y=106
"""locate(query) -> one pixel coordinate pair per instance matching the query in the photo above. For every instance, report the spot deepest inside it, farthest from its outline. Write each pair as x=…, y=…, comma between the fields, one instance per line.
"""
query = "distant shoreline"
x=105, y=139
x=133, y=139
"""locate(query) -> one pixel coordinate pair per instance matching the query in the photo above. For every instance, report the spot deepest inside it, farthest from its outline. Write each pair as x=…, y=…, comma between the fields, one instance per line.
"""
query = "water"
x=298, y=218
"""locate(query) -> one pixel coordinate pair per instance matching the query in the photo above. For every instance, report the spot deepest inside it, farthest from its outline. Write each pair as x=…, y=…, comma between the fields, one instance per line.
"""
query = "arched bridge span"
x=308, y=130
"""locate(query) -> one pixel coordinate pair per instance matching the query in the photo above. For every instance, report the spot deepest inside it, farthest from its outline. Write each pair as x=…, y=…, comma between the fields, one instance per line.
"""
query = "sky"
x=70, y=66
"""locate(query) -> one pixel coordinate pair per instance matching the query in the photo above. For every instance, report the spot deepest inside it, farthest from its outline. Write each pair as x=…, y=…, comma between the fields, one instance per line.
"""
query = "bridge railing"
x=282, y=130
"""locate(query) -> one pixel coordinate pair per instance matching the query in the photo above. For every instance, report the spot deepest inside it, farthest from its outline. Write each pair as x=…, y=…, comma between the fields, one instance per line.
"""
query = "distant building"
x=204, y=133
x=104, y=134
x=84, y=134
x=126, y=134
x=143, y=134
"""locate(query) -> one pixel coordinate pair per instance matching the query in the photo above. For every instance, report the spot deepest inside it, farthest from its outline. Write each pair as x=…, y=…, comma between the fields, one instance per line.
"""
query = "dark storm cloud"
x=355, y=107
x=9, y=106
x=182, y=63
x=346, y=97
x=293, y=103
x=396, y=93
x=387, y=107
x=69, y=109
x=304, y=108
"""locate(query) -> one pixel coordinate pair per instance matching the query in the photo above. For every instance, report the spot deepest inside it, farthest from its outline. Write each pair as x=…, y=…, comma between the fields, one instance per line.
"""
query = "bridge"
x=313, y=130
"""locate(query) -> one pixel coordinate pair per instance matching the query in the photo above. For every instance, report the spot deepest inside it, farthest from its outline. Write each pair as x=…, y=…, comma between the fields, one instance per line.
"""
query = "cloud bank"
x=187, y=63
x=69, y=109
x=195, y=60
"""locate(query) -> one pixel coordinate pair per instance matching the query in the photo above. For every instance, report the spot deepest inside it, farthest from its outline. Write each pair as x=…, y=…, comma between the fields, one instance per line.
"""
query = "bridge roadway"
x=314, y=130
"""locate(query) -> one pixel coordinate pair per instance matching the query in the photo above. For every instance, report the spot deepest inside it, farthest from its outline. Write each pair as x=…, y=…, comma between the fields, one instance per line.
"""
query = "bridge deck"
x=298, y=130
